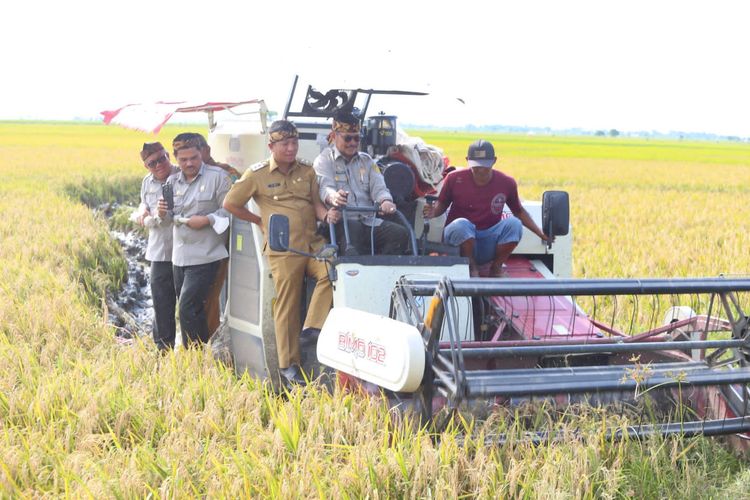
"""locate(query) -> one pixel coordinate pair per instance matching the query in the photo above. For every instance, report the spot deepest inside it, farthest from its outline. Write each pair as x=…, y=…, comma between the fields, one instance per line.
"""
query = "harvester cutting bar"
x=597, y=379
x=619, y=347
x=488, y=287
x=715, y=427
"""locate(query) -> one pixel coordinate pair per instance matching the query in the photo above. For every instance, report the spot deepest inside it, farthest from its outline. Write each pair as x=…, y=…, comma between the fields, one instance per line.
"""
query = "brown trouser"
x=213, y=308
x=288, y=272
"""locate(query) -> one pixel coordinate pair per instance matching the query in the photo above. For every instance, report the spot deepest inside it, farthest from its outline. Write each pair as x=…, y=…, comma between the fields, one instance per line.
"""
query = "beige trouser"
x=288, y=272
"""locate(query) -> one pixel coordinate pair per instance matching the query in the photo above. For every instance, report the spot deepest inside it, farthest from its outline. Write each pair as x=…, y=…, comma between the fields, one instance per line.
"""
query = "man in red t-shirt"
x=476, y=197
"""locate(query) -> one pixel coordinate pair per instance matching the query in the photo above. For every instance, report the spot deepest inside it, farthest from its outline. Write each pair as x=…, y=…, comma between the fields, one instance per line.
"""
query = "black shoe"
x=292, y=376
x=309, y=337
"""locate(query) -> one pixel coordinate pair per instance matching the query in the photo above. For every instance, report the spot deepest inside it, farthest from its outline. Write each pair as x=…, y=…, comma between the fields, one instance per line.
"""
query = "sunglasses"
x=350, y=138
x=157, y=161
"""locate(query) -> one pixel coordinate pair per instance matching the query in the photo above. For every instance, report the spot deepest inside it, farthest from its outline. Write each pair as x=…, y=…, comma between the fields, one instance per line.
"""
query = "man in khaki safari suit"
x=286, y=185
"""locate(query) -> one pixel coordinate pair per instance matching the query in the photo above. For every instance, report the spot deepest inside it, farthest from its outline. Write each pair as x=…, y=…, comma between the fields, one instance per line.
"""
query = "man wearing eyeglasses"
x=159, y=249
x=198, y=248
x=350, y=178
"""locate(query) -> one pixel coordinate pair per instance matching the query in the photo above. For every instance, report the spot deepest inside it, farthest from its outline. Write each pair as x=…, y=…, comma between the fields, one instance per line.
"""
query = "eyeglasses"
x=350, y=138
x=157, y=161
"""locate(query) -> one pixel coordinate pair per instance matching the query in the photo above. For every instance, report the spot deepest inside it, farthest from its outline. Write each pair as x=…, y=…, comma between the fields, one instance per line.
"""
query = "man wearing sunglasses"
x=350, y=178
x=159, y=249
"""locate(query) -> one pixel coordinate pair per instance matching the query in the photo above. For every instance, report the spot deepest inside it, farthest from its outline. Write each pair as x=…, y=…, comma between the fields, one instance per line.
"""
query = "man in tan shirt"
x=285, y=185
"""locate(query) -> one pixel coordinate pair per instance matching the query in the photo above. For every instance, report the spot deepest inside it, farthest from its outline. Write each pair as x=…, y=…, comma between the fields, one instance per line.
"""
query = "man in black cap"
x=206, y=153
x=213, y=300
x=475, y=198
x=350, y=177
x=159, y=249
x=199, y=239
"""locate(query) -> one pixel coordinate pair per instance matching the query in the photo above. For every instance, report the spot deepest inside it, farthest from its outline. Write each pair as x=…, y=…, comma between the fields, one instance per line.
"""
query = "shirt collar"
x=337, y=154
x=273, y=165
x=174, y=170
x=200, y=172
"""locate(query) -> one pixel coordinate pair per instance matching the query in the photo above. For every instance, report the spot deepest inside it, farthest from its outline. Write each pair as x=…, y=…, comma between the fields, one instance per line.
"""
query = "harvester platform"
x=533, y=342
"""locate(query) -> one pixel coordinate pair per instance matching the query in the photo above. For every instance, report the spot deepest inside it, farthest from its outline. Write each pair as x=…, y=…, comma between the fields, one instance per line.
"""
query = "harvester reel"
x=621, y=356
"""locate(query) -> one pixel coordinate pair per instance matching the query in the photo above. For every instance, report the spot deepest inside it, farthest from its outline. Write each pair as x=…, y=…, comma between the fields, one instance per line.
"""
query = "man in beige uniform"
x=285, y=185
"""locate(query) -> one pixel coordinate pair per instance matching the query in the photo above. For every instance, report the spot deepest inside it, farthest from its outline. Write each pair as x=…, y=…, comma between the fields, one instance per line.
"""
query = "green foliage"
x=96, y=191
x=120, y=220
x=100, y=266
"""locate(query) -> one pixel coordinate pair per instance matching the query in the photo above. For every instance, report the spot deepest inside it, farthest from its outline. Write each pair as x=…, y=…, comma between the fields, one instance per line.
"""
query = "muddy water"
x=131, y=309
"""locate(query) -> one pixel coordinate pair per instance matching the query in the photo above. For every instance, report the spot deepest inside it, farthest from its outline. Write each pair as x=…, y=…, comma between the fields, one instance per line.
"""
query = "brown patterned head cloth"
x=150, y=148
x=188, y=140
x=346, y=123
x=282, y=129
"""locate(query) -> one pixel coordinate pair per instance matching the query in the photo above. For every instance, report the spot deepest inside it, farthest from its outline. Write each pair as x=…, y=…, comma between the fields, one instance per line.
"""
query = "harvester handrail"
x=529, y=359
x=577, y=287
x=373, y=210
x=714, y=427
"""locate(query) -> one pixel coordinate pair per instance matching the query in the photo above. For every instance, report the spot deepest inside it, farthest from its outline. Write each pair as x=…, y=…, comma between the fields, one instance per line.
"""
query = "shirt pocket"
x=340, y=178
x=300, y=188
x=151, y=198
x=179, y=202
x=204, y=202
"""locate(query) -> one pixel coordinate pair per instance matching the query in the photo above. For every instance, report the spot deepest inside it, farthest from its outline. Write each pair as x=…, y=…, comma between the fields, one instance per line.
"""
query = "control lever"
x=430, y=199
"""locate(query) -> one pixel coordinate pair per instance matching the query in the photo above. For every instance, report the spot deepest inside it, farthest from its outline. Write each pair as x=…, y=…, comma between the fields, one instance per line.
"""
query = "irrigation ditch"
x=129, y=309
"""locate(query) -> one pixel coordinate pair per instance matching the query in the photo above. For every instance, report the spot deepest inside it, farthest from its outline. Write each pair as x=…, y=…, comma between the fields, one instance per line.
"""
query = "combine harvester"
x=674, y=352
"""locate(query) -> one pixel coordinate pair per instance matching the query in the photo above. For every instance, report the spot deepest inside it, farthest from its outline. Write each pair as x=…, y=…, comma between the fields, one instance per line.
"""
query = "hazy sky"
x=630, y=65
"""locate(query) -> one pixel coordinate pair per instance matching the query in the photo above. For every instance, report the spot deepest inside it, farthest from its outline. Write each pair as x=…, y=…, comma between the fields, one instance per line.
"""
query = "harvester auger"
x=534, y=342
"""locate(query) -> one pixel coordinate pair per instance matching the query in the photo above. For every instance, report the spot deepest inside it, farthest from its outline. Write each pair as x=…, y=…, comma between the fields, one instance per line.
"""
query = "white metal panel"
x=373, y=348
x=368, y=288
x=237, y=147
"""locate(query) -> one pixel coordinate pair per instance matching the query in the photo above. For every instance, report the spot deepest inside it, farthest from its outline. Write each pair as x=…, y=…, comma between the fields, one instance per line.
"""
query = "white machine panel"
x=374, y=348
x=238, y=145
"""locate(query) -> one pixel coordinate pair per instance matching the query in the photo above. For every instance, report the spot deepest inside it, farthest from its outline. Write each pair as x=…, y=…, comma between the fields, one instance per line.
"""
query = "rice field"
x=83, y=417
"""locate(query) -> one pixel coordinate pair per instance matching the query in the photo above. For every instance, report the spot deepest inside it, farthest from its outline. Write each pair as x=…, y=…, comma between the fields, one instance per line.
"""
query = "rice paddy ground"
x=83, y=417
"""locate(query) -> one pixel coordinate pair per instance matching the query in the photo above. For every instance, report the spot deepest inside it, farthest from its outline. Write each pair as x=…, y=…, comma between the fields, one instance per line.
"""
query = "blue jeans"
x=486, y=240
